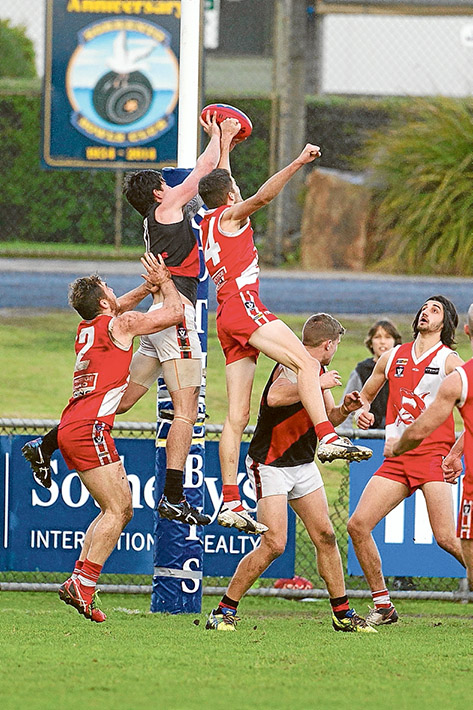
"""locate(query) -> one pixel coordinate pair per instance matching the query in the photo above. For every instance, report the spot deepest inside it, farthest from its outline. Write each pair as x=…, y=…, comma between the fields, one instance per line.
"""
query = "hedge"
x=78, y=206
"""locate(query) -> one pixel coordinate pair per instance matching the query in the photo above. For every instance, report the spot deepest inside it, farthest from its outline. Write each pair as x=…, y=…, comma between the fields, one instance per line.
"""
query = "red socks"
x=340, y=606
x=325, y=432
x=88, y=577
x=381, y=599
x=77, y=568
x=231, y=497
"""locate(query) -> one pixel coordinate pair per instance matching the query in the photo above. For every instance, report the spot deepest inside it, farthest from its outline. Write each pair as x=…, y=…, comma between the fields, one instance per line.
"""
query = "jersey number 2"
x=85, y=336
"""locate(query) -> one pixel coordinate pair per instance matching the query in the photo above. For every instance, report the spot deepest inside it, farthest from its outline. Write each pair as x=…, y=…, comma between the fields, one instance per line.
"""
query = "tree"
x=17, y=57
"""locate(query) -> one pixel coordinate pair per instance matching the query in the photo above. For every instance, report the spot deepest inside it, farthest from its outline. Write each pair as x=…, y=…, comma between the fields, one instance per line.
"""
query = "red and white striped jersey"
x=101, y=373
x=413, y=385
x=231, y=259
x=465, y=405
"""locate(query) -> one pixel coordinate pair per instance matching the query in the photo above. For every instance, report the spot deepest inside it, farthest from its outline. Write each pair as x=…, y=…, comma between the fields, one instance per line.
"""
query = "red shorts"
x=465, y=519
x=237, y=319
x=87, y=444
x=465, y=514
x=413, y=471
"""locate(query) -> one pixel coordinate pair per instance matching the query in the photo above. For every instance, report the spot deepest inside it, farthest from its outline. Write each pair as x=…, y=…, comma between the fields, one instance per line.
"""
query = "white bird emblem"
x=123, y=60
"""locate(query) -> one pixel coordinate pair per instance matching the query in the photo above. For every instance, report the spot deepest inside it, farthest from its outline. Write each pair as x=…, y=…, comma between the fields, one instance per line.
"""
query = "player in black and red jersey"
x=281, y=466
x=175, y=352
x=245, y=327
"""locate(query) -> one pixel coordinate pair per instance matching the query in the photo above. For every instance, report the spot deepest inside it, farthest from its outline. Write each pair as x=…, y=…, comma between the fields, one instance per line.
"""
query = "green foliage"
x=422, y=176
x=52, y=206
x=17, y=58
x=341, y=125
x=77, y=206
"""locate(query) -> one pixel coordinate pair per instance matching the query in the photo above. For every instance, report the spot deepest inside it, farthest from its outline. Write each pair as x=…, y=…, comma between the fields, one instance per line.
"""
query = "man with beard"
x=415, y=372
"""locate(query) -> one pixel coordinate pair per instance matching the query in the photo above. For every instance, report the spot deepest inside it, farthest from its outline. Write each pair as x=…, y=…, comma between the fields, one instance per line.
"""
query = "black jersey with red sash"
x=284, y=436
x=178, y=246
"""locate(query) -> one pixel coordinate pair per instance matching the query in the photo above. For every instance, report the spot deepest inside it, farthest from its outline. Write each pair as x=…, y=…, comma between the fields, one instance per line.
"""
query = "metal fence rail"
x=305, y=565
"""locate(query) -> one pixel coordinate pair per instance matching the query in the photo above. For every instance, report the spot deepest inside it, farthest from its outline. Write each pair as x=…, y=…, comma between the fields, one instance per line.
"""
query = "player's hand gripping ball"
x=224, y=111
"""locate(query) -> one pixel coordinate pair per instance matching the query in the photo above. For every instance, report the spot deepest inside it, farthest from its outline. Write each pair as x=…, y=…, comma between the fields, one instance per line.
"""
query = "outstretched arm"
x=363, y=417
x=239, y=212
x=130, y=300
x=178, y=196
x=229, y=129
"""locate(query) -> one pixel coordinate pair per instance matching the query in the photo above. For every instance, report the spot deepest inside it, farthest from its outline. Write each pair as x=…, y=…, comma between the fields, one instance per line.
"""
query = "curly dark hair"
x=138, y=189
x=450, y=320
x=214, y=187
x=85, y=294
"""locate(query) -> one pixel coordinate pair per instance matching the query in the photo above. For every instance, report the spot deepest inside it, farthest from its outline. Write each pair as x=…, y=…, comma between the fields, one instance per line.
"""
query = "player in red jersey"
x=415, y=372
x=455, y=390
x=174, y=352
x=281, y=466
x=245, y=327
x=104, y=348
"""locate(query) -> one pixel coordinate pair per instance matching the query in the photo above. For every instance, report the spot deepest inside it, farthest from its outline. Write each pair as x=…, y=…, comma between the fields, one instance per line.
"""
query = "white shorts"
x=291, y=481
x=174, y=343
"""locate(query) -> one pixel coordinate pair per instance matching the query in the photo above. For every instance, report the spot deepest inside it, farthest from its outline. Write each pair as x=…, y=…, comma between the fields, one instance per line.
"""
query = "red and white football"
x=224, y=111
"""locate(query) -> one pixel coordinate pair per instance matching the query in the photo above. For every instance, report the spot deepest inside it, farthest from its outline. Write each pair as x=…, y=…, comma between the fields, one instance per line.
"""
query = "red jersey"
x=231, y=259
x=101, y=373
x=465, y=406
x=413, y=385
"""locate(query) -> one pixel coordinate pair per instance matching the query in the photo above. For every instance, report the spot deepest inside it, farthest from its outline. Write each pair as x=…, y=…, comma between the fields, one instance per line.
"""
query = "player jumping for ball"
x=245, y=327
x=281, y=467
x=174, y=352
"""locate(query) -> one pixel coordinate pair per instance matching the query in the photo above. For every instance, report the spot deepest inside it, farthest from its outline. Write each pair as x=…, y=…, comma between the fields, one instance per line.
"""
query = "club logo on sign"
x=122, y=82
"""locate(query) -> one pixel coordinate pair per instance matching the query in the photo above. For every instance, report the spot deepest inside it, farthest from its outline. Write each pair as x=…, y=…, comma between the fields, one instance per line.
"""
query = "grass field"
x=39, y=376
x=284, y=654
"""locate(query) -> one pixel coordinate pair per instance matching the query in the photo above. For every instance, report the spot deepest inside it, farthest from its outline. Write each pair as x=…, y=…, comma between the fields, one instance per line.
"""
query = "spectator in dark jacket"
x=382, y=336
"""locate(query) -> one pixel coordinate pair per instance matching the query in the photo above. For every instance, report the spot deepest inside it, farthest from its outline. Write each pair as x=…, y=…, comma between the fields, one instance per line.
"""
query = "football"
x=224, y=111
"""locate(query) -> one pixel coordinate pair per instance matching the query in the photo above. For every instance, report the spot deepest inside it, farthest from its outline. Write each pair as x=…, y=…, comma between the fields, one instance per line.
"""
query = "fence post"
x=118, y=209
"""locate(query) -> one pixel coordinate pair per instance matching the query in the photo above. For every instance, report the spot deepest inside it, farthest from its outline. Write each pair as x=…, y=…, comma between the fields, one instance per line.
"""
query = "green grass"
x=284, y=654
x=39, y=376
x=421, y=172
x=52, y=250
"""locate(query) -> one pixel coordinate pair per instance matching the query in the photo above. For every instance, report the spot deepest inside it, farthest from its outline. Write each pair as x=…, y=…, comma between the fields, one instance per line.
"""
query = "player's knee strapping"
x=186, y=420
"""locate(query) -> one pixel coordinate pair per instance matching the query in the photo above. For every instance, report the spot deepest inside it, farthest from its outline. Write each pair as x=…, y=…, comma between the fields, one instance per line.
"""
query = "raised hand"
x=209, y=124
x=157, y=271
x=230, y=127
x=310, y=153
x=330, y=379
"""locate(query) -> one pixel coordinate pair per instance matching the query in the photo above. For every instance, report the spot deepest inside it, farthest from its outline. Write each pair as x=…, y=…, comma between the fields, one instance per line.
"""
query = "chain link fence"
x=305, y=559
x=350, y=53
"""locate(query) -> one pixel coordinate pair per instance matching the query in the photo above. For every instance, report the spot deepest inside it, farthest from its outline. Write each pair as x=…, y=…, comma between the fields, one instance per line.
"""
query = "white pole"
x=189, y=65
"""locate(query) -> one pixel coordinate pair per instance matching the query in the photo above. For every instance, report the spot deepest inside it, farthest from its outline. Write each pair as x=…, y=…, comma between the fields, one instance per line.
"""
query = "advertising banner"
x=42, y=530
x=110, y=84
x=404, y=538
